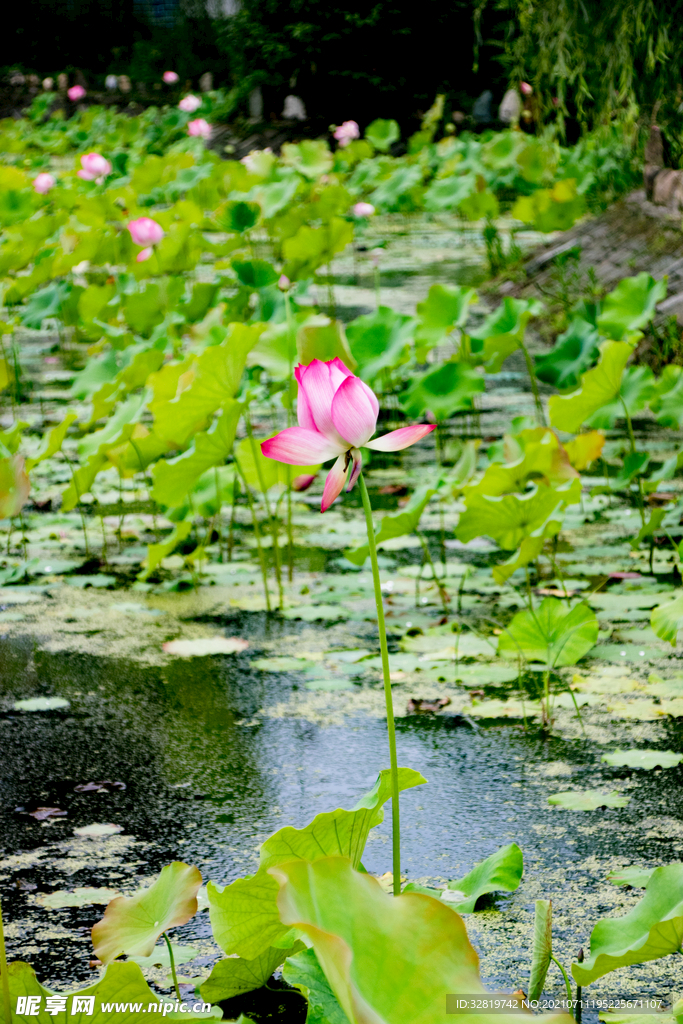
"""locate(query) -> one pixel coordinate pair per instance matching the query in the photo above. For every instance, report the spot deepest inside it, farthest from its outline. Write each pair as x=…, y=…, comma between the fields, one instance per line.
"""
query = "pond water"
x=201, y=758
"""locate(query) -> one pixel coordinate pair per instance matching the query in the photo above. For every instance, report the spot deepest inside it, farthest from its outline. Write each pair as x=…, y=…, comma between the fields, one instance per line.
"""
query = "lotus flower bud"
x=363, y=210
x=170, y=77
x=526, y=88
x=284, y=283
x=189, y=104
x=145, y=231
x=75, y=93
x=94, y=167
x=199, y=128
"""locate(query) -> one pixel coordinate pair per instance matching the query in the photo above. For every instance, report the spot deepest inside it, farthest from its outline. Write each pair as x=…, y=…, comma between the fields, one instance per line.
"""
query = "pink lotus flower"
x=94, y=167
x=189, y=104
x=145, y=231
x=144, y=254
x=170, y=77
x=199, y=128
x=284, y=283
x=337, y=416
x=346, y=132
x=363, y=210
x=42, y=183
x=303, y=482
x=76, y=92
x=526, y=88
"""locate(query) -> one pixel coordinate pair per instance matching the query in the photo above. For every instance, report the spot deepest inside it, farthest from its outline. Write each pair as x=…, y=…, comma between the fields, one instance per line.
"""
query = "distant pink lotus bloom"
x=76, y=92
x=284, y=283
x=190, y=103
x=170, y=77
x=346, y=132
x=337, y=416
x=42, y=183
x=303, y=482
x=94, y=167
x=199, y=128
x=143, y=255
x=251, y=160
x=526, y=88
x=363, y=210
x=145, y=231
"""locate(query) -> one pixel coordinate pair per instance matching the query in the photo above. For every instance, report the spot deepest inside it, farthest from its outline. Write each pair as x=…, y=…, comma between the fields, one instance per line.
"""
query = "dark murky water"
x=206, y=789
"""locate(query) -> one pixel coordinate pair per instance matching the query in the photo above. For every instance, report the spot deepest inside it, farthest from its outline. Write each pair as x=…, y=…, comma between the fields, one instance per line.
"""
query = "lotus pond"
x=194, y=675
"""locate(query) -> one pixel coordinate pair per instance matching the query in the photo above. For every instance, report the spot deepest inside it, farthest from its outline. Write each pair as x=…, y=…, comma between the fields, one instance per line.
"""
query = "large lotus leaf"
x=157, y=552
x=123, y=985
x=501, y=872
x=304, y=972
x=237, y=215
x=52, y=441
x=396, y=525
x=244, y=915
x=132, y=924
x=598, y=387
x=448, y=192
x=389, y=960
x=630, y=306
x=637, y=387
x=382, y=134
x=145, y=309
x=311, y=247
x=508, y=518
x=551, y=634
x=47, y=302
x=667, y=403
x=587, y=799
x=530, y=548
x=324, y=339
x=311, y=157
x=654, y=928
x=235, y=976
x=543, y=459
x=213, y=380
x=575, y=352
x=175, y=478
x=482, y=202
x=585, y=449
x=667, y=619
x=448, y=389
x=379, y=341
x=445, y=308
x=502, y=332
x=276, y=351
x=542, y=948
x=646, y=759
x=254, y=273
x=14, y=486
x=389, y=193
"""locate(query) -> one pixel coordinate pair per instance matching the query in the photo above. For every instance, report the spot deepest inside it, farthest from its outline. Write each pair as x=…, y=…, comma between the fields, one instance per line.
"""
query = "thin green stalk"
x=5, y=977
x=564, y=975
x=257, y=534
x=391, y=728
x=290, y=535
x=632, y=439
x=173, y=970
x=377, y=291
x=80, y=509
x=442, y=590
x=290, y=337
x=534, y=384
x=231, y=529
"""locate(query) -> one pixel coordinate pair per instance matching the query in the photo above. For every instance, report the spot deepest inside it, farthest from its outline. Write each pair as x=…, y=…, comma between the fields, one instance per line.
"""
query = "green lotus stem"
x=564, y=975
x=290, y=335
x=173, y=970
x=377, y=292
x=257, y=534
x=5, y=977
x=235, y=495
x=391, y=727
x=534, y=383
x=80, y=507
x=442, y=590
x=632, y=440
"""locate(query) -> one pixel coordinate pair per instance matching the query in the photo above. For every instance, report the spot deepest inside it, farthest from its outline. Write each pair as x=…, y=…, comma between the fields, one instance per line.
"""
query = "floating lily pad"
x=206, y=646
x=503, y=709
x=329, y=684
x=12, y=617
x=485, y=674
x=98, y=830
x=312, y=612
x=645, y=710
x=659, y=687
x=100, y=581
x=282, y=664
x=634, y=876
x=80, y=897
x=627, y=653
x=41, y=704
x=587, y=800
x=606, y=684
x=643, y=758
